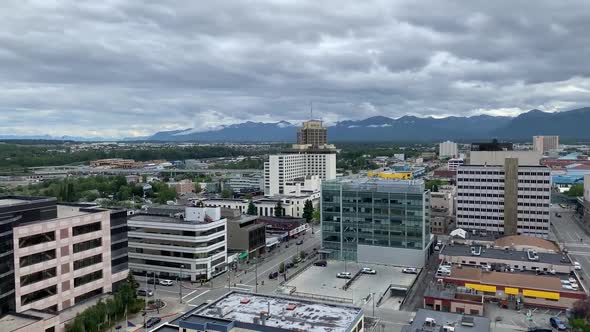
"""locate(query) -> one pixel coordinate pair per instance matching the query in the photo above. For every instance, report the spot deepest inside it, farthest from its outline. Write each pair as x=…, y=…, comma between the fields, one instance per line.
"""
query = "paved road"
x=573, y=237
x=196, y=294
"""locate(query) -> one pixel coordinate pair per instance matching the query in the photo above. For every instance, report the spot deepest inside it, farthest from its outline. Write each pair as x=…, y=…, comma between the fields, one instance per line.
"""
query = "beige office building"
x=63, y=261
x=545, y=143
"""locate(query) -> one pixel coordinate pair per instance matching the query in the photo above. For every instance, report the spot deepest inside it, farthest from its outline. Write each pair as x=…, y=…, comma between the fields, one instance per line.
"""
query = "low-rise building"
x=190, y=247
x=558, y=291
x=237, y=311
x=451, y=298
x=507, y=258
x=182, y=187
x=244, y=234
x=429, y=320
x=454, y=163
x=246, y=182
x=285, y=227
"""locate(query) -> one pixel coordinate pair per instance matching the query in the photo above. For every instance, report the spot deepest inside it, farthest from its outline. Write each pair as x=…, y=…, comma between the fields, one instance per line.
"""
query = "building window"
x=37, y=258
x=90, y=277
x=89, y=228
x=38, y=276
x=88, y=295
x=32, y=240
x=82, y=263
x=38, y=295
x=87, y=245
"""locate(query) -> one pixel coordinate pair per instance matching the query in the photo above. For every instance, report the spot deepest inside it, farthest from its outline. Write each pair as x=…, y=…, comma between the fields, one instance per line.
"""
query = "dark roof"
x=507, y=255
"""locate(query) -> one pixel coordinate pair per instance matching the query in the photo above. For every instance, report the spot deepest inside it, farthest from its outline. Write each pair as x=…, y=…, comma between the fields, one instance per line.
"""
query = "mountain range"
x=573, y=124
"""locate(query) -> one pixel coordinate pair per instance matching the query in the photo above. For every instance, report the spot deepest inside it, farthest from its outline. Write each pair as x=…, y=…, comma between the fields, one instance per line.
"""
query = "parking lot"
x=514, y=320
x=322, y=281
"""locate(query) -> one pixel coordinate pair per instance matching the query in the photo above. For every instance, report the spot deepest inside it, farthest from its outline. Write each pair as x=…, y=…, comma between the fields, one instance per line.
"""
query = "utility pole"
x=373, y=304
x=256, y=272
x=180, y=283
x=147, y=292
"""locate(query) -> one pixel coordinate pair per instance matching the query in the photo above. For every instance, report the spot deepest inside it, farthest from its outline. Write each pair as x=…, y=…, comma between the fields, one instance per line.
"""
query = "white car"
x=166, y=282
x=367, y=270
x=577, y=266
x=344, y=275
x=410, y=270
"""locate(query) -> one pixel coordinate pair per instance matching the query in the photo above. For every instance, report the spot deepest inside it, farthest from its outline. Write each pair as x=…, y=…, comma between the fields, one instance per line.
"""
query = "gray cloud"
x=124, y=68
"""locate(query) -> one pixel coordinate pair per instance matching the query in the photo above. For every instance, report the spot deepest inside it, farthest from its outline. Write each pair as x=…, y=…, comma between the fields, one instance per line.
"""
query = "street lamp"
x=180, y=282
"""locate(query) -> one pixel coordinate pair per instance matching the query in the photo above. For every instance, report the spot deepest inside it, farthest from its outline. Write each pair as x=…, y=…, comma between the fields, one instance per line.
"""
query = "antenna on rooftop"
x=311, y=110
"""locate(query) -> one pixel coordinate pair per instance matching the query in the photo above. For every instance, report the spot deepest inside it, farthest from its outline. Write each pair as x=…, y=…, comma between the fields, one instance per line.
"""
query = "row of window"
x=87, y=245
x=461, y=201
x=476, y=224
x=480, y=187
x=38, y=276
x=37, y=258
x=85, y=262
x=88, y=228
x=466, y=216
x=90, y=277
x=479, y=195
x=38, y=295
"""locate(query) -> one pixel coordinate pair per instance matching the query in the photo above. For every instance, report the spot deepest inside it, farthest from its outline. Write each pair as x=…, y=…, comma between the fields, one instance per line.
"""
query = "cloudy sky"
x=117, y=68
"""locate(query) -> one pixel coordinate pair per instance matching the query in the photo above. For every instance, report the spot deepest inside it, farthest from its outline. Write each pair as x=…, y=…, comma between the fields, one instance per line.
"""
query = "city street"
x=195, y=294
x=573, y=237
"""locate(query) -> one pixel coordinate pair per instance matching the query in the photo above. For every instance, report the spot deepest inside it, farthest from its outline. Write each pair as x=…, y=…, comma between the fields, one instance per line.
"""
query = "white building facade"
x=454, y=163
x=286, y=167
x=193, y=247
x=447, y=149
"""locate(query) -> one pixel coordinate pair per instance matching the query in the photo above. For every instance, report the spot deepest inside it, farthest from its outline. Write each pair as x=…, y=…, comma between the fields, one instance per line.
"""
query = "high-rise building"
x=312, y=133
x=58, y=255
x=376, y=220
x=281, y=169
x=193, y=246
x=505, y=197
x=545, y=143
x=448, y=149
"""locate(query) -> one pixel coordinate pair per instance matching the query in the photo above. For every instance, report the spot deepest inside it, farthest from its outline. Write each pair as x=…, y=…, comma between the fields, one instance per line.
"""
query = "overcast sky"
x=133, y=67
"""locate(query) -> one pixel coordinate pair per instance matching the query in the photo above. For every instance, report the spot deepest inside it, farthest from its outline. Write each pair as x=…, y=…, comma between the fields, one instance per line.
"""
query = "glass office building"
x=376, y=220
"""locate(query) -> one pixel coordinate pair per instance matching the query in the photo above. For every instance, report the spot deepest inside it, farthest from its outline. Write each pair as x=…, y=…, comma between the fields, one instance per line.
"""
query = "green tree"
x=279, y=212
x=251, y=209
x=576, y=190
x=316, y=215
x=227, y=193
x=295, y=259
x=282, y=268
x=308, y=211
x=197, y=188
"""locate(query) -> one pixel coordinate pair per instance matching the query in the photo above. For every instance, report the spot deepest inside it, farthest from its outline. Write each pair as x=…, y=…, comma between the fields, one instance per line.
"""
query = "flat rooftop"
x=286, y=313
x=6, y=201
x=164, y=219
x=507, y=255
x=13, y=322
x=322, y=281
x=377, y=184
x=438, y=319
x=523, y=280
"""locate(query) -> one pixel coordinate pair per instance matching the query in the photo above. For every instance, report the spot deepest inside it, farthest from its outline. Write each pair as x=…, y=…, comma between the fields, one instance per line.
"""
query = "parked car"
x=577, y=266
x=321, y=263
x=344, y=275
x=165, y=282
x=557, y=323
x=410, y=270
x=152, y=321
x=300, y=242
x=289, y=265
x=145, y=292
x=367, y=270
x=273, y=275
x=539, y=329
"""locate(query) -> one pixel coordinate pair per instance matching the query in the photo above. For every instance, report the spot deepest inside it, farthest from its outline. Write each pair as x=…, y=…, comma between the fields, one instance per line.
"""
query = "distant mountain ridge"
x=572, y=124
x=568, y=124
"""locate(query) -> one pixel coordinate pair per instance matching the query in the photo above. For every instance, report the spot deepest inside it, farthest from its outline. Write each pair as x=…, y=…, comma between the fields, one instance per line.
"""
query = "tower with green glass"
x=376, y=220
